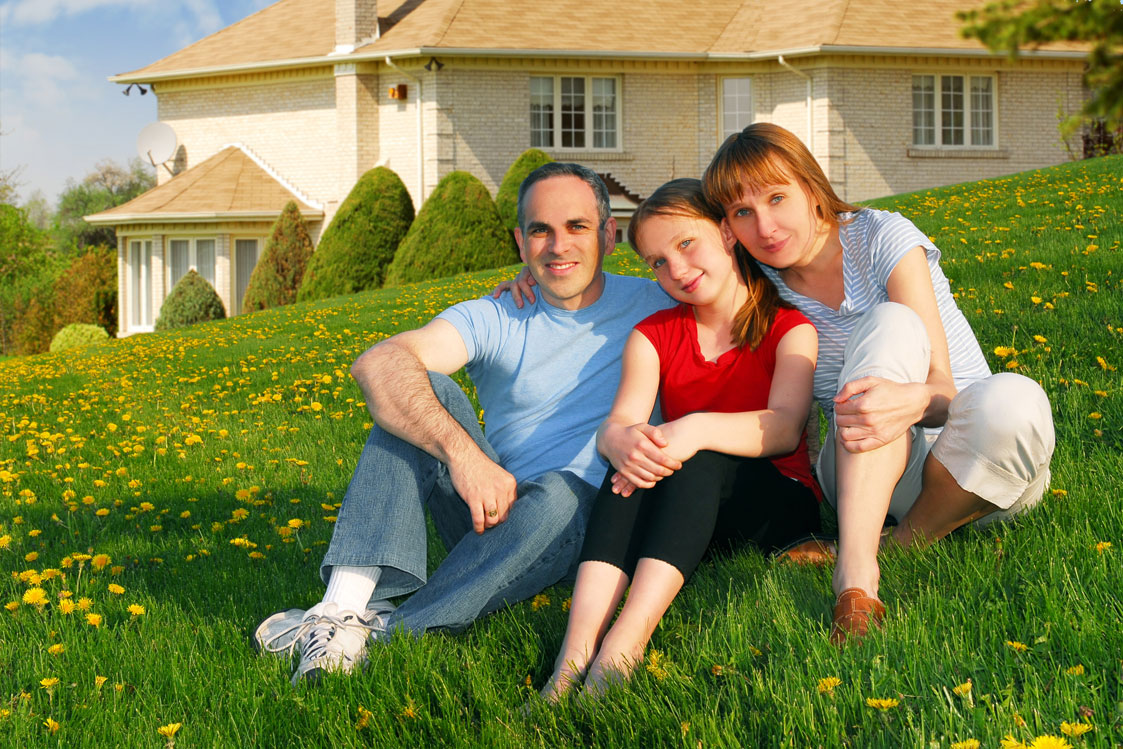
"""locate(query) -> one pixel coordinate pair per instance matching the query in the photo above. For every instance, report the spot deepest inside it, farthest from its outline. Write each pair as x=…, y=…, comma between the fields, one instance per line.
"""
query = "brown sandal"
x=854, y=614
x=814, y=550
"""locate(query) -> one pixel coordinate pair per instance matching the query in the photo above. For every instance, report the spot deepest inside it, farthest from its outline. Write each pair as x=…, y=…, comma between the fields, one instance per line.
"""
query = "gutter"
x=420, y=133
x=163, y=218
x=810, y=120
x=385, y=55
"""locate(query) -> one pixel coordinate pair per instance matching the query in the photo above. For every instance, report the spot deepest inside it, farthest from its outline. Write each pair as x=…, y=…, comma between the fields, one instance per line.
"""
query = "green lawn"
x=194, y=477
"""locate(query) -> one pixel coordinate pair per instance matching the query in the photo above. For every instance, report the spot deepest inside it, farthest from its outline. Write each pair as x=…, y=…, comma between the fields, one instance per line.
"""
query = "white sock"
x=350, y=588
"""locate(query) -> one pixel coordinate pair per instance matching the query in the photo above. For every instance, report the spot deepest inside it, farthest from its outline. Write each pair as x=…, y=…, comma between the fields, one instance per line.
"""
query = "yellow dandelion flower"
x=296, y=523
x=1017, y=646
x=48, y=683
x=1049, y=742
x=1004, y=351
x=409, y=711
x=5, y=541
x=52, y=725
x=1040, y=339
x=657, y=665
x=100, y=561
x=540, y=601
x=1011, y=743
x=99, y=681
x=169, y=730
x=1077, y=670
x=256, y=555
x=102, y=512
x=35, y=597
x=57, y=649
x=827, y=685
x=966, y=744
x=84, y=604
x=31, y=556
x=364, y=718
x=115, y=589
x=136, y=609
x=963, y=689
x=1076, y=730
x=94, y=620
x=66, y=606
x=882, y=703
x=12, y=606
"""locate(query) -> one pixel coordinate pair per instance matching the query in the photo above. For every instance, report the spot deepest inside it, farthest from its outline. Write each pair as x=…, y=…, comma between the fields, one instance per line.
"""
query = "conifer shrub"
x=278, y=274
x=78, y=334
x=507, y=199
x=192, y=300
x=356, y=248
x=457, y=230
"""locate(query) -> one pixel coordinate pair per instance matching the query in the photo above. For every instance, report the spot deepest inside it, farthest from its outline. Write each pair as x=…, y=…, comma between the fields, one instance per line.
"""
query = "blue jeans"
x=382, y=523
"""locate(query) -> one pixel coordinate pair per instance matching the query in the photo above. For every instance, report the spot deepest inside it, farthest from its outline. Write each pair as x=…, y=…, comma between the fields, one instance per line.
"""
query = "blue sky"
x=59, y=115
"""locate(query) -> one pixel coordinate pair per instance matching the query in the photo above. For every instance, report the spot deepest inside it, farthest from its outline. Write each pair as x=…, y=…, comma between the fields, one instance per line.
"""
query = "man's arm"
x=393, y=376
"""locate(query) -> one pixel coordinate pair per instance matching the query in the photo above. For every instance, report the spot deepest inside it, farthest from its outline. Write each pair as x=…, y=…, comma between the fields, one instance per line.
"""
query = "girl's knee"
x=889, y=341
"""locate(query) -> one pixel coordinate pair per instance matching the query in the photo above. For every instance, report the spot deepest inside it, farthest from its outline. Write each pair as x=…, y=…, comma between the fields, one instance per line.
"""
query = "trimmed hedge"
x=507, y=199
x=277, y=276
x=192, y=300
x=78, y=334
x=356, y=248
x=457, y=230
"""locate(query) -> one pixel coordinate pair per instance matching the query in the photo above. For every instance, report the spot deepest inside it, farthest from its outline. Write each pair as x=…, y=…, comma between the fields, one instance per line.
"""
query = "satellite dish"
x=156, y=143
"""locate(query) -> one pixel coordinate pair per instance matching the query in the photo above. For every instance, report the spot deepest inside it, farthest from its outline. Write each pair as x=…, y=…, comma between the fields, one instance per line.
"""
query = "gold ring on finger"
x=492, y=513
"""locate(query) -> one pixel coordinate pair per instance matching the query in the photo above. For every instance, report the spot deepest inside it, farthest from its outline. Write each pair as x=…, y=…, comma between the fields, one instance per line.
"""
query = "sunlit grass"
x=200, y=471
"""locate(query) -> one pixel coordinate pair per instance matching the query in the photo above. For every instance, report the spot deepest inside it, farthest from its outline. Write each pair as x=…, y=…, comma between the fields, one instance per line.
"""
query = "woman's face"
x=778, y=224
x=691, y=257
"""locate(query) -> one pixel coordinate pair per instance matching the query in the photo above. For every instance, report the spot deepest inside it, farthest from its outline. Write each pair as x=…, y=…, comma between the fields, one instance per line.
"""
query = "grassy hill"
x=160, y=495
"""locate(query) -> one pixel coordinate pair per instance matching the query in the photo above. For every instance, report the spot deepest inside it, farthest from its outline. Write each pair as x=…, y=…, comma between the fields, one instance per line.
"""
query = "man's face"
x=563, y=246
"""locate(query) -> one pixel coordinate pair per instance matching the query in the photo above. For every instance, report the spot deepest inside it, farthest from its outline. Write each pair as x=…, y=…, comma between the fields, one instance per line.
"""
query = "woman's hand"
x=637, y=453
x=871, y=412
x=521, y=288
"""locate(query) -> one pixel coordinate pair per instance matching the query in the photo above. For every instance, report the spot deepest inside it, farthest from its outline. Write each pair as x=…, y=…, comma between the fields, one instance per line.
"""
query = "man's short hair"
x=564, y=169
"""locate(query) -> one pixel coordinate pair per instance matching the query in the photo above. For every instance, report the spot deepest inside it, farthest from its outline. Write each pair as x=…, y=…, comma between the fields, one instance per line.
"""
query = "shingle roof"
x=228, y=185
x=302, y=29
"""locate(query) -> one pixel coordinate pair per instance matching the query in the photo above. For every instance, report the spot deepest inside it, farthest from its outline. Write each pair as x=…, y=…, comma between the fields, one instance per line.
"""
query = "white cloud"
x=202, y=17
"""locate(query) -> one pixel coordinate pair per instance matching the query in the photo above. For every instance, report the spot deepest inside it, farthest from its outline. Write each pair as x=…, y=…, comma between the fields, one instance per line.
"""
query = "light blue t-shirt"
x=546, y=377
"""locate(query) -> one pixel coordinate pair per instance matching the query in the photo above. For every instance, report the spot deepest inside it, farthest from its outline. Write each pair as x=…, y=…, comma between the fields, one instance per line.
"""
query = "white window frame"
x=971, y=115
x=139, y=313
x=590, y=115
x=723, y=129
x=192, y=258
x=239, y=295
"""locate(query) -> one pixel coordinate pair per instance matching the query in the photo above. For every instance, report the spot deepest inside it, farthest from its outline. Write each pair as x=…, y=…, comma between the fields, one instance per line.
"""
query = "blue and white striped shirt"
x=872, y=245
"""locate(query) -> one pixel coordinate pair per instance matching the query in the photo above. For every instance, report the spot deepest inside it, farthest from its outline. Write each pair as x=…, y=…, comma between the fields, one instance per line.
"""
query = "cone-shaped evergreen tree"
x=507, y=199
x=277, y=276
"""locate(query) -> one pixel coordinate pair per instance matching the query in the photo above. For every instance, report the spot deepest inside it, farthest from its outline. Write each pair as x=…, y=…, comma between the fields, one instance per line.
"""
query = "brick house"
x=299, y=99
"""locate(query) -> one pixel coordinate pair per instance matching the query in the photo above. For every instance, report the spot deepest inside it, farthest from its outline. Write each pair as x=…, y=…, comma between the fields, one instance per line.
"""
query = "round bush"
x=360, y=242
x=458, y=229
x=278, y=274
x=507, y=199
x=192, y=300
x=78, y=334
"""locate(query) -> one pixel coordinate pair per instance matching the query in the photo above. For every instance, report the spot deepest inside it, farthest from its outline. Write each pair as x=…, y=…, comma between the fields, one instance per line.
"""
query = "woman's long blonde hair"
x=685, y=197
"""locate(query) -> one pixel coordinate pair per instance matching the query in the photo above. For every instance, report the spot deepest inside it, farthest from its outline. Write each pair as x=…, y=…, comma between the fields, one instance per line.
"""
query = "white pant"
x=998, y=438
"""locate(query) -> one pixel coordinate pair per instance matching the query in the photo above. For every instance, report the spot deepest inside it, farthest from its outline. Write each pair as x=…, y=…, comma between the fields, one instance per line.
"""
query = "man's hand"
x=521, y=288
x=637, y=453
x=871, y=412
x=487, y=489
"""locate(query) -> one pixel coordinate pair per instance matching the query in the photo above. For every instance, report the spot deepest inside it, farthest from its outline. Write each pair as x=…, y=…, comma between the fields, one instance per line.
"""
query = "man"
x=511, y=507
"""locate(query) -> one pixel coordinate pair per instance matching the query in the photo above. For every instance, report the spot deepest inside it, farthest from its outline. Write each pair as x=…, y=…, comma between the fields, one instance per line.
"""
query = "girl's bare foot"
x=568, y=674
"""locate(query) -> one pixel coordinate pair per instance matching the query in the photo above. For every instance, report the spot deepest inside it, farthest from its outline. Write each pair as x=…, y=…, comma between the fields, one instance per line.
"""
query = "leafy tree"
x=192, y=300
x=278, y=274
x=360, y=242
x=86, y=290
x=507, y=199
x=109, y=185
x=27, y=272
x=1010, y=25
x=457, y=229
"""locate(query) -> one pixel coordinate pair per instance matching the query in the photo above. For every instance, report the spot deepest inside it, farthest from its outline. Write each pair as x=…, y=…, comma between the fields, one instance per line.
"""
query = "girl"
x=919, y=428
x=732, y=366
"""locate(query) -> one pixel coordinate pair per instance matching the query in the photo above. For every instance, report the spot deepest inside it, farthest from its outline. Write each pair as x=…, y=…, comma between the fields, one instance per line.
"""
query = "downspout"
x=810, y=132
x=420, y=133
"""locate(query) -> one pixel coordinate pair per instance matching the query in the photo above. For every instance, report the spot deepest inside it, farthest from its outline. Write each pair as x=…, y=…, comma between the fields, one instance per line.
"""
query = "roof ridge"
x=275, y=174
x=728, y=22
x=449, y=18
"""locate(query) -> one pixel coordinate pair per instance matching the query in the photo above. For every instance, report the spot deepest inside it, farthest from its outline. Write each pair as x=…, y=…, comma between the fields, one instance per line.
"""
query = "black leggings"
x=723, y=499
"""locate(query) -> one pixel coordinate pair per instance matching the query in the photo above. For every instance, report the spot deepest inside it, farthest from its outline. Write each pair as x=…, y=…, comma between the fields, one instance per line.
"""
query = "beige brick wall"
x=396, y=131
x=871, y=131
x=290, y=124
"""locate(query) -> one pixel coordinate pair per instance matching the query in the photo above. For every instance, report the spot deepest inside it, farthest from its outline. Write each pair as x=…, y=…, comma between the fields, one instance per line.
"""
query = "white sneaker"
x=331, y=639
x=280, y=632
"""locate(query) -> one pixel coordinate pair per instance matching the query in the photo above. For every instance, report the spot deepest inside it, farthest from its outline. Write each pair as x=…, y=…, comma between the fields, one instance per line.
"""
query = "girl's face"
x=692, y=257
x=778, y=224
